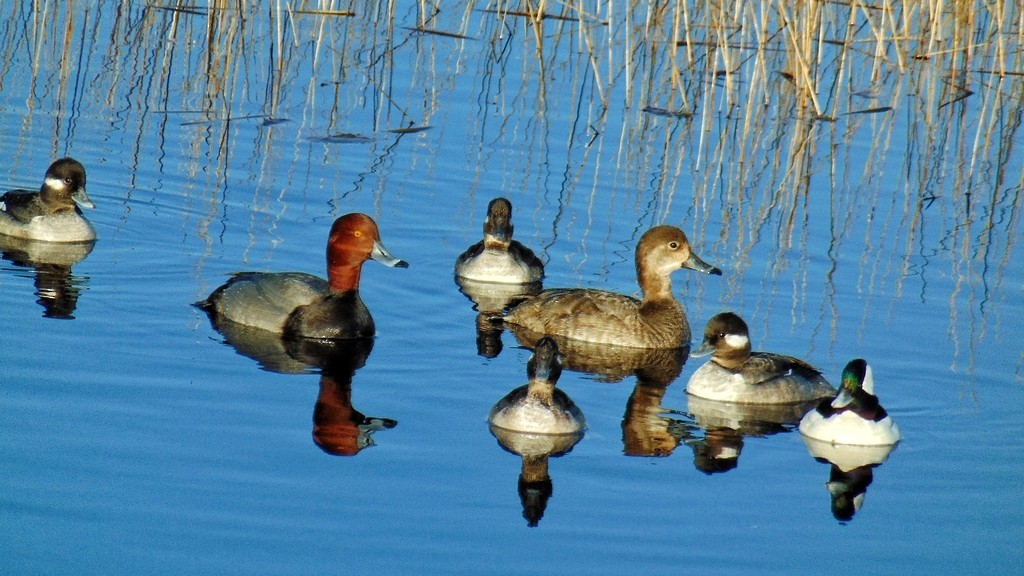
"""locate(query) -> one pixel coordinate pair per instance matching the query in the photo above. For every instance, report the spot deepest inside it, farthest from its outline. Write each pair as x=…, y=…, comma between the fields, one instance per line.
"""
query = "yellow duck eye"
x=358, y=233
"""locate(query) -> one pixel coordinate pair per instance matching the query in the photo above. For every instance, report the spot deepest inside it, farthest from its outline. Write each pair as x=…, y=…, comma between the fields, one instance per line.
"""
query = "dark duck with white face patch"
x=736, y=374
x=854, y=416
x=52, y=214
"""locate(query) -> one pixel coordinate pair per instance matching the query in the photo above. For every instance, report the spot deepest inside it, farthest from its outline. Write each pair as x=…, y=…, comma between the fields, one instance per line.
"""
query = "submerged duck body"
x=735, y=374
x=498, y=258
x=854, y=416
x=296, y=304
x=655, y=321
x=52, y=214
x=539, y=407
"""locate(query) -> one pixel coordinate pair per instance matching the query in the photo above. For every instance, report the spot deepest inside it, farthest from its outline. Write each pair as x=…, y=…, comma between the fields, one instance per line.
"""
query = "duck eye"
x=673, y=245
x=67, y=180
x=358, y=233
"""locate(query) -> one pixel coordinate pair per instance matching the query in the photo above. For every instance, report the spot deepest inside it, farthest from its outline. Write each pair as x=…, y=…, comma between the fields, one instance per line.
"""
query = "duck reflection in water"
x=851, y=471
x=726, y=424
x=537, y=421
x=57, y=288
x=497, y=273
x=534, y=485
x=854, y=434
x=338, y=427
x=490, y=299
x=647, y=427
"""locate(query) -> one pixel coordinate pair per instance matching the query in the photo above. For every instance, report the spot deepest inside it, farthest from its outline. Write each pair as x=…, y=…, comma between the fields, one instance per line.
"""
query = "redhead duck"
x=296, y=304
x=498, y=258
x=539, y=407
x=52, y=214
x=735, y=374
x=854, y=416
x=599, y=316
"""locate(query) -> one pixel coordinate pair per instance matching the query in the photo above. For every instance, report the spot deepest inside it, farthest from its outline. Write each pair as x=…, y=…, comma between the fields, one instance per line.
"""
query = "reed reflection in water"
x=204, y=76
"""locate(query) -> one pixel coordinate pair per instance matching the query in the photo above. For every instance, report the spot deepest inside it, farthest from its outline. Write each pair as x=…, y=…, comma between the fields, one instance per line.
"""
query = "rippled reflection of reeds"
x=897, y=121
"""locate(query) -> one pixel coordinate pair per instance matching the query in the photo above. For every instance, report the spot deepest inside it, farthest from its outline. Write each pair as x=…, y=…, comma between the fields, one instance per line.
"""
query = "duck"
x=539, y=407
x=854, y=416
x=735, y=374
x=52, y=214
x=300, y=305
x=603, y=317
x=498, y=258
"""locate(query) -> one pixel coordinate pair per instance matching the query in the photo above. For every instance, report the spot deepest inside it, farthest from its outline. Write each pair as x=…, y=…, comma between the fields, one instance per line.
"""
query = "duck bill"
x=82, y=198
x=381, y=254
x=704, y=349
x=695, y=263
x=842, y=399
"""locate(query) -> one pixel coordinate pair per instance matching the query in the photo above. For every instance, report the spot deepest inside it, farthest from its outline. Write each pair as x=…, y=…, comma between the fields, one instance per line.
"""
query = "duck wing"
x=262, y=299
x=582, y=314
x=525, y=255
x=470, y=253
x=763, y=367
x=22, y=205
x=557, y=305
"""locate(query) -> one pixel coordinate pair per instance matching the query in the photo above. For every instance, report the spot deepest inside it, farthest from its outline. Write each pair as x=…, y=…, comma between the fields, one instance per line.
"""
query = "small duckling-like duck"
x=603, y=317
x=52, y=214
x=539, y=407
x=300, y=305
x=854, y=416
x=735, y=374
x=498, y=258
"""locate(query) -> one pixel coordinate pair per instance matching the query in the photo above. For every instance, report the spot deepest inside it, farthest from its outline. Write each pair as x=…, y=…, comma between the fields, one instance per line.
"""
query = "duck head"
x=64, y=183
x=354, y=239
x=498, y=225
x=544, y=364
x=856, y=376
x=663, y=250
x=727, y=339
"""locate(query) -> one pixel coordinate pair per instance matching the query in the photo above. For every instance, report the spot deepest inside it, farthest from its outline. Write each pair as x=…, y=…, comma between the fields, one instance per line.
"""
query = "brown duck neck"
x=343, y=269
x=654, y=286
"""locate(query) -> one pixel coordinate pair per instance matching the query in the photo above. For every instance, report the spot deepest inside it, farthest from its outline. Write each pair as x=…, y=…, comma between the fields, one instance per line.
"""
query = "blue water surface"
x=135, y=440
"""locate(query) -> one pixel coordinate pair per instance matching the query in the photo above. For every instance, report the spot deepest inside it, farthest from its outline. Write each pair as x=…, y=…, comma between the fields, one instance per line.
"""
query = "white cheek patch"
x=736, y=340
x=869, y=381
x=55, y=183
